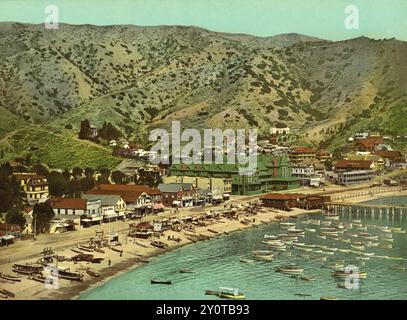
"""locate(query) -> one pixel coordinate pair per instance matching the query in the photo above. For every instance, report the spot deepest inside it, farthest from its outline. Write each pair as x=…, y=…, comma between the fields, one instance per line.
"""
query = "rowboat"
x=213, y=231
x=261, y=252
x=314, y=222
x=290, y=269
x=246, y=260
x=333, y=266
x=92, y=273
x=329, y=233
x=40, y=278
x=307, y=278
x=310, y=230
x=320, y=258
x=10, y=277
x=24, y=271
x=269, y=236
x=159, y=244
x=295, y=231
x=357, y=247
x=84, y=248
x=287, y=224
x=76, y=250
x=343, y=274
x=30, y=267
x=158, y=281
x=141, y=244
x=344, y=285
x=115, y=249
x=185, y=270
x=238, y=296
x=7, y=293
x=397, y=268
x=64, y=274
x=264, y=257
x=328, y=298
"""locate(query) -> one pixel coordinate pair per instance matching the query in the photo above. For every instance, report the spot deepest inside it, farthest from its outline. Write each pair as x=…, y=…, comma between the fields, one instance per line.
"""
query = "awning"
x=8, y=237
x=110, y=215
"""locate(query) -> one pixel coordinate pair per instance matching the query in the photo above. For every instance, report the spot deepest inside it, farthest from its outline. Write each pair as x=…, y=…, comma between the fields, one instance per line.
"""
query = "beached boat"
x=143, y=259
x=67, y=275
x=10, y=277
x=40, y=278
x=100, y=250
x=24, y=271
x=213, y=231
x=160, y=281
x=92, y=273
x=158, y=244
x=141, y=244
x=7, y=293
x=31, y=267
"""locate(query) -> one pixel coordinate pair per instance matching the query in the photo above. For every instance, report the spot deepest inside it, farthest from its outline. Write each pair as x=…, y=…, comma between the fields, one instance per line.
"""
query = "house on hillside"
x=34, y=187
x=299, y=154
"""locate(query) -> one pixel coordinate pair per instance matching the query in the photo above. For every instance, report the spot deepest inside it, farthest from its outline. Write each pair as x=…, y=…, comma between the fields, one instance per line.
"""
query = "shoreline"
x=28, y=289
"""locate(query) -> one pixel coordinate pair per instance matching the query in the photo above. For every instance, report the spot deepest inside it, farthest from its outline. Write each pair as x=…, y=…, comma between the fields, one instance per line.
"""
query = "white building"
x=278, y=131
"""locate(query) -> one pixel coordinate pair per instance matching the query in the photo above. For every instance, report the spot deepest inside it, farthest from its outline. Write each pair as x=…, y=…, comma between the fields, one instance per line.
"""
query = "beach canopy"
x=8, y=237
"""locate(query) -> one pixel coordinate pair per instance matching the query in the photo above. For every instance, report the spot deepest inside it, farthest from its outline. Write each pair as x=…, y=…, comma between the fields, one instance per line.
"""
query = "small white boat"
x=270, y=236
x=310, y=230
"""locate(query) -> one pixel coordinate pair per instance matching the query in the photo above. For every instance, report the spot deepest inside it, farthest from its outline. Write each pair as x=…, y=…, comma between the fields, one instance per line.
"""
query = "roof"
x=369, y=142
x=127, y=187
x=106, y=199
x=25, y=176
x=283, y=196
x=144, y=225
x=389, y=154
x=174, y=187
x=127, y=196
x=67, y=203
x=323, y=153
x=354, y=164
x=302, y=150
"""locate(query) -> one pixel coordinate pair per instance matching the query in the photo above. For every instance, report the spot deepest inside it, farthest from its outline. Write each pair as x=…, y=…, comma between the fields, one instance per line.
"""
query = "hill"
x=139, y=78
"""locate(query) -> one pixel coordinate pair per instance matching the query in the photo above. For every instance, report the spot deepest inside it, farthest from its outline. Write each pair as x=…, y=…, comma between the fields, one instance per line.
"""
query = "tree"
x=148, y=178
x=88, y=182
x=118, y=177
x=84, y=132
x=58, y=184
x=9, y=190
x=40, y=170
x=15, y=216
x=77, y=172
x=328, y=164
x=42, y=215
x=104, y=176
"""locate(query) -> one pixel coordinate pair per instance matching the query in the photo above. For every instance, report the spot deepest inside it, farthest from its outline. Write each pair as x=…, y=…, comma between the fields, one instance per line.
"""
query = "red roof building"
x=299, y=154
x=354, y=165
x=367, y=144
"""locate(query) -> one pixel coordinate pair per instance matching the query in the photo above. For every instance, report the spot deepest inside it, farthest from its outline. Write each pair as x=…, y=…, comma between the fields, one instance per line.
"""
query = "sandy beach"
x=29, y=251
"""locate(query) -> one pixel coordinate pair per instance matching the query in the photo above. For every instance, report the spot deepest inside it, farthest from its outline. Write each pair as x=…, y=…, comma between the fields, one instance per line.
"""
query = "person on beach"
x=110, y=262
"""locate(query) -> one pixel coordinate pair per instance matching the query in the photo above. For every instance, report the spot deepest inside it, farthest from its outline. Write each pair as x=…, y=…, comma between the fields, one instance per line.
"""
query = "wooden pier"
x=368, y=210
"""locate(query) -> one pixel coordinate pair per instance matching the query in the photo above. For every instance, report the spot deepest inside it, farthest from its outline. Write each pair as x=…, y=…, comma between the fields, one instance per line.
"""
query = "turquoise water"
x=216, y=264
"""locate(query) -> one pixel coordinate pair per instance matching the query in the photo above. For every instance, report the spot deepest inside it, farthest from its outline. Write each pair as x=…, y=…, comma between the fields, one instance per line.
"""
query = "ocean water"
x=217, y=264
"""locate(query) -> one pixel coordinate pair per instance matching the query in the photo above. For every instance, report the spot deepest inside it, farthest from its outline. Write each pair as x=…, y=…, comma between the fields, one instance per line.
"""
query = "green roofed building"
x=272, y=174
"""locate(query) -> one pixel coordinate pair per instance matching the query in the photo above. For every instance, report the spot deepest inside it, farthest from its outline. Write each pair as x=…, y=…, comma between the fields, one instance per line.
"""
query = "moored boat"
x=160, y=281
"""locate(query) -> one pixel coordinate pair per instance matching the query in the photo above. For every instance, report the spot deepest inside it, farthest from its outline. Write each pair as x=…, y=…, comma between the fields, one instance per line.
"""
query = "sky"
x=320, y=18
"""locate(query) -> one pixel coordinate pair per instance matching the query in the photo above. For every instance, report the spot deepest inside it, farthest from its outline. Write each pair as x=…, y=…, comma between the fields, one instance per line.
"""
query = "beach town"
x=98, y=230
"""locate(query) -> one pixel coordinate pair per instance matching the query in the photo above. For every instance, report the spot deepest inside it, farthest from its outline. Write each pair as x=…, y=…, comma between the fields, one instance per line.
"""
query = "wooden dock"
x=368, y=210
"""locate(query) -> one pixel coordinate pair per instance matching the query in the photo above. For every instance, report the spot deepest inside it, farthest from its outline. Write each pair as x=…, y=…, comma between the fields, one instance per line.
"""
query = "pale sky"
x=320, y=18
